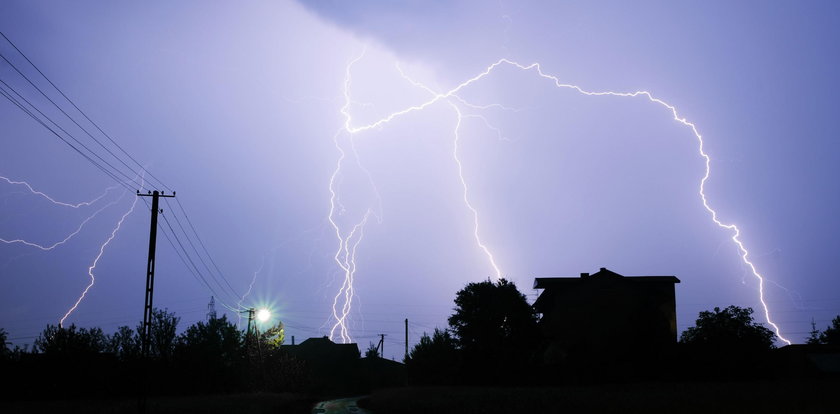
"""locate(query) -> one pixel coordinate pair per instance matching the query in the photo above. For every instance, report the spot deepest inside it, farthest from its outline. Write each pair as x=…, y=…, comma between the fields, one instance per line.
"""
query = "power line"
x=189, y=240
x=198, y=277
x=184, y=212
x=192, y=266
x=112, y=171
x=17, y=103
x=84, y=114
x=77, y=124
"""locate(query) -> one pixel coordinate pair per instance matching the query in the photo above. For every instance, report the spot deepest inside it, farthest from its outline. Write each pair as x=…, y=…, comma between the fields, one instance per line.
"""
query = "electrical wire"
x=162, y=185
x=190, y=242
x=127, y=176
x=23, y=108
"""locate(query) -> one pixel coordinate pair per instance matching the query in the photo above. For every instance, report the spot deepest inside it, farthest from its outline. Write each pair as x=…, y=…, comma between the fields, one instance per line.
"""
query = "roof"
x=603, y=274
x=321, y=348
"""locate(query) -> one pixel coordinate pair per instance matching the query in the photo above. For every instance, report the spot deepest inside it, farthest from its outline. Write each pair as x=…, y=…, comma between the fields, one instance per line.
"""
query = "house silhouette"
x=339, y=367
x=606, y=321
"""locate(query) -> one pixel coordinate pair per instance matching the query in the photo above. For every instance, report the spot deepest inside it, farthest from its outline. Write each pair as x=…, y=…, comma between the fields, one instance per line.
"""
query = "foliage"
x=496, y=332
x=731, y=328
x=372, y=351
x=163, y=333
x=124, y=343
x=209, y=355
x=217, y=339
x=73, y=340
x=437, y=347
x=813, y=335
x=434, y=359
x=492, y=318
x=5, y=352
x=831, y=334
x=273, y=337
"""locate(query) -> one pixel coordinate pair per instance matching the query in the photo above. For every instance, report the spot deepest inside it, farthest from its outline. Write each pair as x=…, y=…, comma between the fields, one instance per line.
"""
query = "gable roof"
x=323, y=348
x=602, y=275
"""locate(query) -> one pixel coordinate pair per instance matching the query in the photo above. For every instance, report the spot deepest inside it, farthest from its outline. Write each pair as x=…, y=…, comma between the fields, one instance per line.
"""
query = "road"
x=340, y=406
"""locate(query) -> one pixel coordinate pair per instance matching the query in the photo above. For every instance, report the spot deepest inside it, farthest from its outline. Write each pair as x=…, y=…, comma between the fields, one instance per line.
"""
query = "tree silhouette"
x=727, y=344
x=5, y=352
x=831, y=334
x=57, y=340
x=162, y=339
x=495, y=328
x=813, y=334
x=209, y=355
x=434, y=359
x=217, y=339
x=731, y=328
x=124, y=343
x=372, y=351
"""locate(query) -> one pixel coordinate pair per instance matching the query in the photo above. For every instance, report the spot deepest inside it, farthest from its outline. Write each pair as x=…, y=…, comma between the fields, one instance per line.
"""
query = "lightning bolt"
x=248, y=292
x=54, y=201
x=45, y=247
x=346, y=259
x=460, y=117
x=99, y=256
x=451, y=98
x=348, y=241
x=72, y=234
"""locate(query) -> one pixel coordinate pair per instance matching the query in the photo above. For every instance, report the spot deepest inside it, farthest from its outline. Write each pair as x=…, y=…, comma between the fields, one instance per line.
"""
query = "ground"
x=765, y=397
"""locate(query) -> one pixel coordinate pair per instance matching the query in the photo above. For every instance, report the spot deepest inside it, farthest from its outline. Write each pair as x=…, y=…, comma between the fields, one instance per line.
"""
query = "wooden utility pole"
x=150, y=271
x=381, y=345
x=251, y=312
x=406, y=341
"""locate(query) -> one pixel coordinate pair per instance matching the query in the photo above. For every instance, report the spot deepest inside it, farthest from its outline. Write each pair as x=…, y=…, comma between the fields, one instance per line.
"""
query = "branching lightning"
x=348, y=240
x=96, y=261
x=48, y=247
x=54, y=201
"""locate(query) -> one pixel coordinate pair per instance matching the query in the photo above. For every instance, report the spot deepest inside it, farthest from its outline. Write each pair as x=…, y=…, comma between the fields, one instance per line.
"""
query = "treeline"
x=494, y=338
x=211, y=356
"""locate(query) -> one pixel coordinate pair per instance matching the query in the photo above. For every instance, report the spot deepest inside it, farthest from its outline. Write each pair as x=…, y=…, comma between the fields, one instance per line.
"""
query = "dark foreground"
x=765, y=397
x=734, y=397
x=254, y=403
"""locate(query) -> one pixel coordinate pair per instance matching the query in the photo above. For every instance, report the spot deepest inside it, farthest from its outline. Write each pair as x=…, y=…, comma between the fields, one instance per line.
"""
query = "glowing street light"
x=263, y=315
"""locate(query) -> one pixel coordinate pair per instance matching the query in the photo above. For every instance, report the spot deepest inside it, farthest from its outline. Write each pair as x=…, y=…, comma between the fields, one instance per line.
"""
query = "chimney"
x=584, y=275
x=603, y=269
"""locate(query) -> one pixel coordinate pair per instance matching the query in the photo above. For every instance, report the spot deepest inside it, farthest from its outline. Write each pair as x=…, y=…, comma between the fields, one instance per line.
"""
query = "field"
x=735, y=397
x=255, y=403
x=765, y=397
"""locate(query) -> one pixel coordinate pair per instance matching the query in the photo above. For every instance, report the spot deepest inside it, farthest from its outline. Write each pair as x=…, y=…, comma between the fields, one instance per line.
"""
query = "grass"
x=736, y=397
x=764, y=397
x=253, y=403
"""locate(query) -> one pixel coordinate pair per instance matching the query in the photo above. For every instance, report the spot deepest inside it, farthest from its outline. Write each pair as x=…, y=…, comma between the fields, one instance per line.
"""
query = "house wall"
x=610, y=316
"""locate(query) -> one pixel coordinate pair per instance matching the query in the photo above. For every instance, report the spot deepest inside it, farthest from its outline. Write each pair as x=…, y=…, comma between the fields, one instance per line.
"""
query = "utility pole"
x=406, y=341
x=251, y=313
x=381, y=345
x=150, y=270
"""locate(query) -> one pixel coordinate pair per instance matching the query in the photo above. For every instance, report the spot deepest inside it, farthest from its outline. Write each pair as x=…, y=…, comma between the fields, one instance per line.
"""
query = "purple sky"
x=239, y=108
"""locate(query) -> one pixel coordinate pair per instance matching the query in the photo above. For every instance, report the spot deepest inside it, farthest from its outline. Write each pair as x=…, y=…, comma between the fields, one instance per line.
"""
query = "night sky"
x=246, y=110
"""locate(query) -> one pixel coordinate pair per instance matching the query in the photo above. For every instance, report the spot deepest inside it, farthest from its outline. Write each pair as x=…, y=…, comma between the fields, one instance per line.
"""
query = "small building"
x=606, y=319
x=802, y=360
x=323, y=351
x=338, y=367
x=328, y=364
